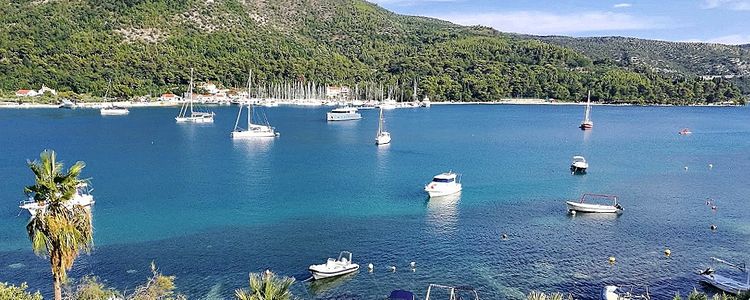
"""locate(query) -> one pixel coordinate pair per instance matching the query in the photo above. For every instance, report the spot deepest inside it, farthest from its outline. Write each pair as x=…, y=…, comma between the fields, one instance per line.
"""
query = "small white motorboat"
x=579, y=165
x=334, y=267
x=82, y=198
x=443, y=185
x=343, y=114
x=113, y=110
x=67, y=104
x=612, y=292
x=583, y=207
x=724, y=283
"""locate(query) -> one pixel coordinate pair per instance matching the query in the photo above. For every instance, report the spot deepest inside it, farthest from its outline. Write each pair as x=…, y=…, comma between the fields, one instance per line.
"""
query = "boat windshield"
x=446, y=180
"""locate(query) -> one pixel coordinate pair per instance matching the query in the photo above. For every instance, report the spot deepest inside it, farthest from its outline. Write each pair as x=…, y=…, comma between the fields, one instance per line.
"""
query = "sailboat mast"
x=414, y=95
x=380, y=122
x=588, y=108
x=191, y=91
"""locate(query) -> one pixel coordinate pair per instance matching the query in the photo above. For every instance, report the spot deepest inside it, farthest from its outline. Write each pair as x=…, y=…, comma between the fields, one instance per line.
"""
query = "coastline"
x=158, y=103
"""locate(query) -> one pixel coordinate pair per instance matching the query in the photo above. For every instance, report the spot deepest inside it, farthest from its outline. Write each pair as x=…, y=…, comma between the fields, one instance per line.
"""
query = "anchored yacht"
x=343, y=114
x=443, y=184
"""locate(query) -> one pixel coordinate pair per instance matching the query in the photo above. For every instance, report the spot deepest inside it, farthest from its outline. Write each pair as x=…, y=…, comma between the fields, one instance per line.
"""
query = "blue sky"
x=717, y=21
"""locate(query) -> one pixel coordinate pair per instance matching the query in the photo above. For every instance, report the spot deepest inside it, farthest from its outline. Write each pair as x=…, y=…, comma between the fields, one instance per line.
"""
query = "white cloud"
x=730, y=4
x=544, y=23
x=622, y=5
x=732, y=39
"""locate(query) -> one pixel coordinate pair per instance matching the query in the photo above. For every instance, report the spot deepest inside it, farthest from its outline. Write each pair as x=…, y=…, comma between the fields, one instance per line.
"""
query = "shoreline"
x=97, y=105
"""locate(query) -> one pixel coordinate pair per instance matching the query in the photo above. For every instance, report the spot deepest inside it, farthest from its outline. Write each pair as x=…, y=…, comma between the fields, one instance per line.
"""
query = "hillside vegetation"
x=148, y=47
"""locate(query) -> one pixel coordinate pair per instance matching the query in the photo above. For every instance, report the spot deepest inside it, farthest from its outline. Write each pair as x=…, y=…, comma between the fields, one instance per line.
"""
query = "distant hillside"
x=148, y=47
x=661, y=56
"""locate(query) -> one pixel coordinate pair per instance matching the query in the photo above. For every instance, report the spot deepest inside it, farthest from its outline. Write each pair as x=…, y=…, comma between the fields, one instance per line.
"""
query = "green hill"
x=148, y=47
x=662, y=56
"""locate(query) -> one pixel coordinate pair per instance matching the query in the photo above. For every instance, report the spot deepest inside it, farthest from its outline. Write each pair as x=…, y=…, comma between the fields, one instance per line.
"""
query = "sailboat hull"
x=251, y=134
x=586, y=125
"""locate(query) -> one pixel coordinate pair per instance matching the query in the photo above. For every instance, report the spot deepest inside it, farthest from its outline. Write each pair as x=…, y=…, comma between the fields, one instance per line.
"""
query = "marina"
x=288, y=210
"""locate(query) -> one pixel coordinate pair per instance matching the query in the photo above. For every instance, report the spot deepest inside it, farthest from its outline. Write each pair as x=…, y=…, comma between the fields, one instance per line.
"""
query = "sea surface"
x=209, y=210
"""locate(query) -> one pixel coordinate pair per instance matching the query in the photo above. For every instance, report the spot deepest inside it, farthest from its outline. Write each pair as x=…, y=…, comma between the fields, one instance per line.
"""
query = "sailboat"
x=383, y=137
x=587, y=123
x=188, y=115
x=252, y=130
x=109, y=109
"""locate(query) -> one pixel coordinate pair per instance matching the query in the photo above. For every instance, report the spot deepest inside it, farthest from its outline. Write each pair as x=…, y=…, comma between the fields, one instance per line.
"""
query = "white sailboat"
x=109, y=109
x=383, y=137
x=188, y=114
x=252, y=130
x=587, y=123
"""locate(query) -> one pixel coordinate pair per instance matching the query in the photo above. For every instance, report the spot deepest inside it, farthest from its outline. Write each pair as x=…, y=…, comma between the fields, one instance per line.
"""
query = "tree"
x=8, y=291
x=266, y=287
x=59, y=232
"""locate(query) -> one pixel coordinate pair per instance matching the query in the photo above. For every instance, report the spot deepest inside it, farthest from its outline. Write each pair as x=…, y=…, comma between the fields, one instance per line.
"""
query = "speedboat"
x=583, y=207
x=343, y=114
x=443, y=184
x=67, y=104
x=612, y=292
x=113, y=111
x=685, y=131
x=82, y=197
x=334, y=267
x=451, y=292
x=724, y=283
x=579, y=165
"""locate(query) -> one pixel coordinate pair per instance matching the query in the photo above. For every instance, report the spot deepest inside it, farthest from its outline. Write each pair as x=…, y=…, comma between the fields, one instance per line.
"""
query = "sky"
x=715, y=21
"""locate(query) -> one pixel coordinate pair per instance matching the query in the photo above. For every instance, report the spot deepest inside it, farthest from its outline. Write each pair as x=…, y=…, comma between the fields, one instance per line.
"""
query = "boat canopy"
x=578, y=158
x=613, y=198
x=401, y=295
x=344, y=110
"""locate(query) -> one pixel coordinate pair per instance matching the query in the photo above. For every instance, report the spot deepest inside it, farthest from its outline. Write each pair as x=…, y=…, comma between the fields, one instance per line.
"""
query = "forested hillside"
x=661, y=56
x=148, y=47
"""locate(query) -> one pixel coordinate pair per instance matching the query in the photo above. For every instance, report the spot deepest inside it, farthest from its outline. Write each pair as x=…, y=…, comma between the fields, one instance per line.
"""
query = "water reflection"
x=442, y=213
x=321, y=286
x=254, y=146
x=382, y=156
x=586, y=136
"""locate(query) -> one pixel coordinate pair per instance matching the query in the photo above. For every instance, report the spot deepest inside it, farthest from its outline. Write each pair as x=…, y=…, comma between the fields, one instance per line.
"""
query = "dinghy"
x=334, y=267
x=583, y=207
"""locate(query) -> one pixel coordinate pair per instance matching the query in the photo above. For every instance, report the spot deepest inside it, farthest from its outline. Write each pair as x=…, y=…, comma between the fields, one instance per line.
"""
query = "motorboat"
x=685, y=131
x=401, y=295
x=451, y=292
x=113, y=110
x=443, y=184
x=67, y=104
x=253, y=130
x=426, y=102
x=587, y=124
x=383, y=137
x=724, y=283
x=579, y=165
x=612, y=292
x=334, y=267
x=582, y=206
x=188, y=114
x=82, y=197
x=343, y=114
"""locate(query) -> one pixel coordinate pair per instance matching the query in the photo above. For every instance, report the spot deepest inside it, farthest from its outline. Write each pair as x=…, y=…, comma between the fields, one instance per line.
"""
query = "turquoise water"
x=209, y=210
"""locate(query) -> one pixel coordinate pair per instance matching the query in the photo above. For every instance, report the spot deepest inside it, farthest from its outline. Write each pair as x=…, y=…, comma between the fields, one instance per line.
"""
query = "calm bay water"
x=209, y=210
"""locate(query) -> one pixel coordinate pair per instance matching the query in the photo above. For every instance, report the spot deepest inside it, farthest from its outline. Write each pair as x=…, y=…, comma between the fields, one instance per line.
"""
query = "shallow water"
x=209, y=210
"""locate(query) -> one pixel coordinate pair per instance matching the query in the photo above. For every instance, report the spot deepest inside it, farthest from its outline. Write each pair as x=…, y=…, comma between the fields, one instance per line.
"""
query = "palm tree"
x=58, y=232
x=266, y=287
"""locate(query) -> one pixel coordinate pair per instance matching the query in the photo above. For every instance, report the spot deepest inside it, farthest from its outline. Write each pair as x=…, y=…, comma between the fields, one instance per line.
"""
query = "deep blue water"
x=210, y=210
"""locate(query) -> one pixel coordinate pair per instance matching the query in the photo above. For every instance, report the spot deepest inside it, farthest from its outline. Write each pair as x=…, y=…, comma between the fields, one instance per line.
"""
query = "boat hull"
x=114, y=112
x=383, y=140
x=586, y=126
x=322, y=274
x=194, y=120
x=251, y=134
x=441, y=192
x=343, y=117
x=592, y=208
x=725, y=284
